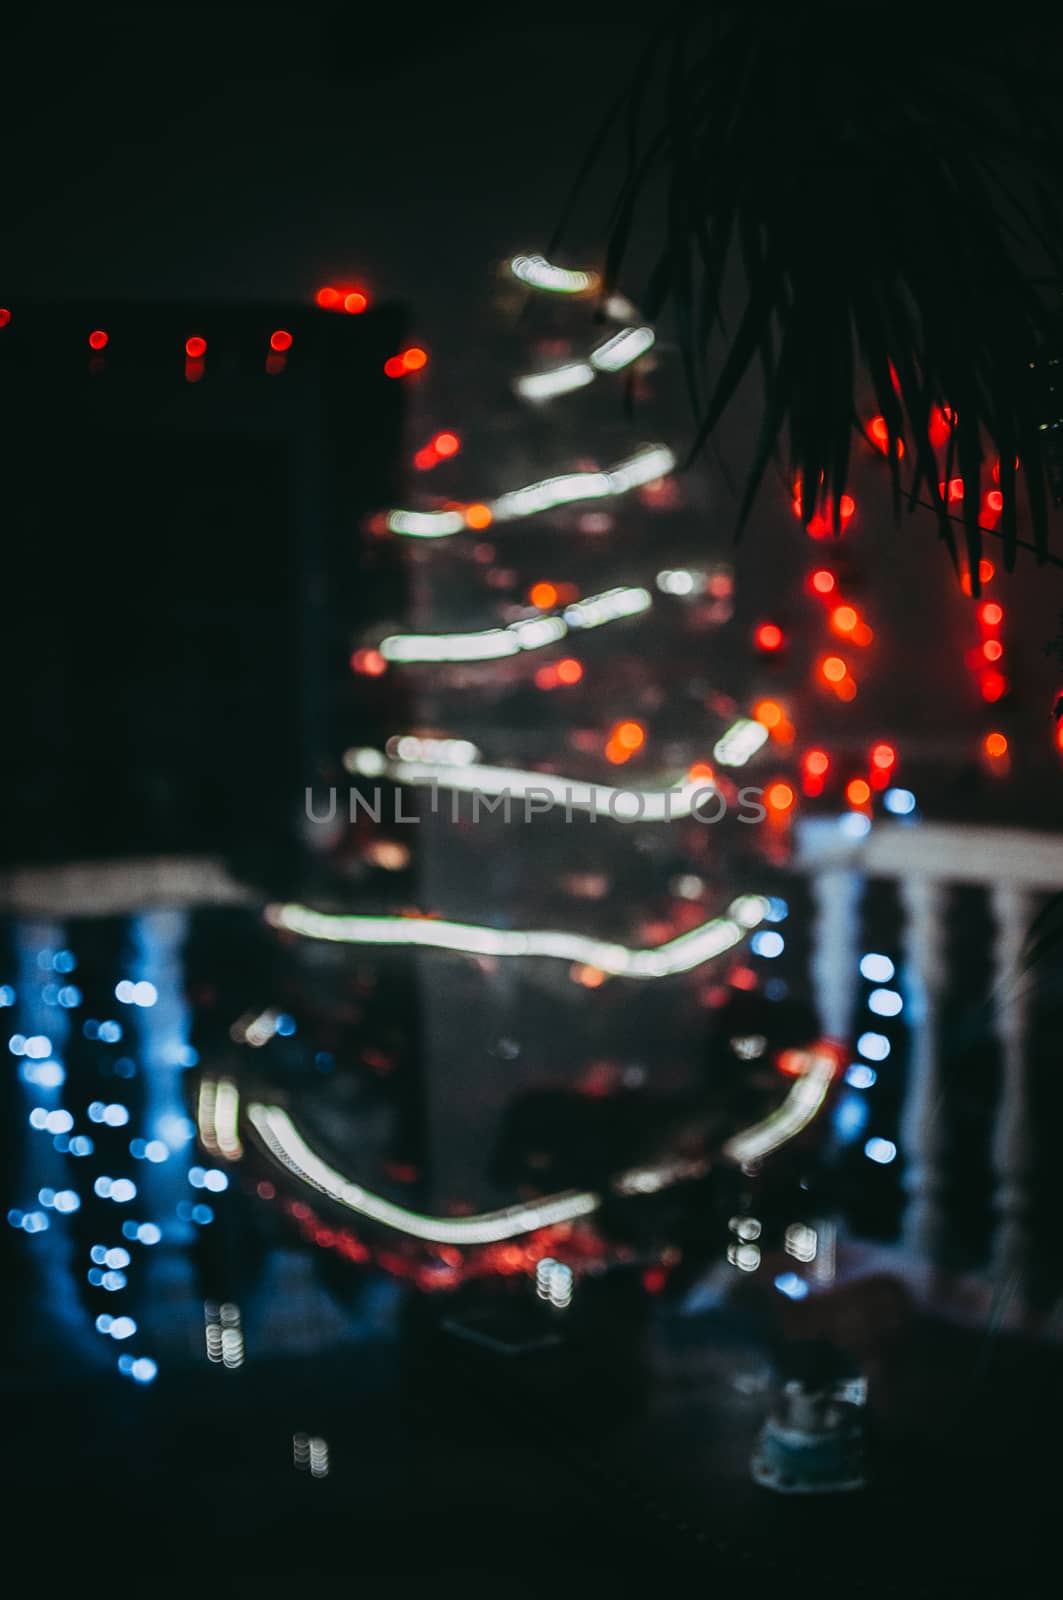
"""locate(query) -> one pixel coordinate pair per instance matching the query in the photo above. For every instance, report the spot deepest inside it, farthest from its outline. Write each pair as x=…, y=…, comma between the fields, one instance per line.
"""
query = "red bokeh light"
x=98, y=340
x=768, y=636
x=354, y=301
x=833, y=669
x=328, y=298
x=395, y=367
x=939, y=427
x=994, y=500
x=992, y=649
x=823, y=582
x=630, y=735
x=195, y=347
x=994, y=687
x=414, y=359
x=370, y=663
x=991, y=614
x=446, y=444
x=817, y=762
x=883, y=755
x=5, y=316
x=281, y=340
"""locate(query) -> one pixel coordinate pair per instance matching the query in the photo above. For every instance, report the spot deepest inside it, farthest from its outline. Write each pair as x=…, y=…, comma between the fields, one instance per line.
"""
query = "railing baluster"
x=922, y=1127
x=1013, y=1133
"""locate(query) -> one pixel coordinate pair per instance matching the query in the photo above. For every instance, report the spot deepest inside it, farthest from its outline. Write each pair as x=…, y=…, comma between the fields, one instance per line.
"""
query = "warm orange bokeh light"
x=569, y=670
x=446, y=444
x=414, y=359
x=823, y=582
x=858, y=792
x=701, y=772
x=477, y=516
x=996, y=745
x=992, y=614
x=779, y=797
x=629, y=735
x=768, y=712
x=817, y=762
x=542, y=595
x=992, y=649
x=844, y=619
x=883, y=755
x=833, y=669
x=846, y=690
x=355, y=301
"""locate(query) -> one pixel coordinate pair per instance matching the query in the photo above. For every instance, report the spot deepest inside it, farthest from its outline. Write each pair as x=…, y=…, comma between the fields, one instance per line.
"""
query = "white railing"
x=1016, y=869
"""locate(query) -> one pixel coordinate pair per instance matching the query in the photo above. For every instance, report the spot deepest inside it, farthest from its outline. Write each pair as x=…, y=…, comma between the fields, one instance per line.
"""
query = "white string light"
x=538, y=273
x=532, y=633
x=681, y=954
x=645, y=466
x=595, y=799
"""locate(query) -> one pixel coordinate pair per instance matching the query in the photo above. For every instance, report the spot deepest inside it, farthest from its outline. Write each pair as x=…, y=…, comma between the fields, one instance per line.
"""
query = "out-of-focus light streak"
x=622, y=349
x=799, y=1109
x=533, y=633
x=561, y=380
x=597, y=799
x=538, y=273
x=740, y=742
x=681, y=954
x=617, y=352
x=284, y=1142
x=645, y=466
